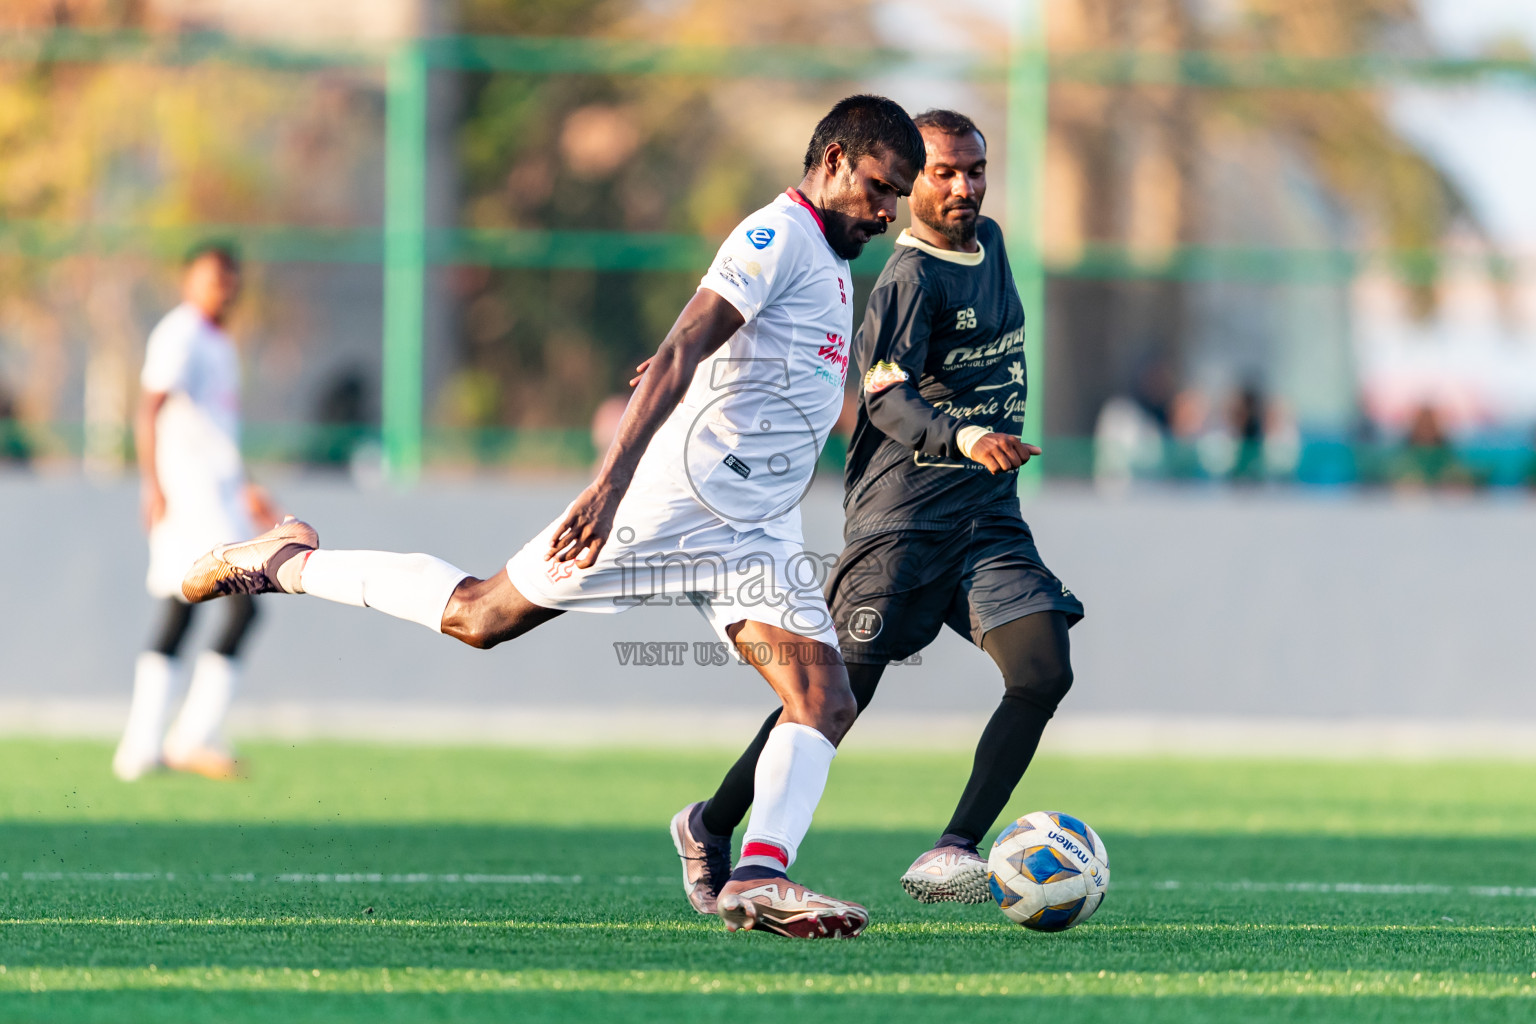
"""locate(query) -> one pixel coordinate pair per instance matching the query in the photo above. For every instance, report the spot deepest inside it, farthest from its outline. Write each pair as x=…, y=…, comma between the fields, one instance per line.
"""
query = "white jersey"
x=712, y=514
x=747, y=434
x=197, y=443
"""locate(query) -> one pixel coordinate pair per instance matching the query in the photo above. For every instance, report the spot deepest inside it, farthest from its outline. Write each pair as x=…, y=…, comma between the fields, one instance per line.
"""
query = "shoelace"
x=243, y=581
x=717, y=864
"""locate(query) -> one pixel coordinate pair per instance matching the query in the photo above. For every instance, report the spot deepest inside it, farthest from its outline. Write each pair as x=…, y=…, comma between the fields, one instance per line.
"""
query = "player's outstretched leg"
x=262, y=565
x=1034, y=655
x=702, y=831
x=791, y=773
x=414, y=587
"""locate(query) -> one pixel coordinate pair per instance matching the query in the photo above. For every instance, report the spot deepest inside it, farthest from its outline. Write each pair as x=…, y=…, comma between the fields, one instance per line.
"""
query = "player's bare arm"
x=152, y=498
x=706, y=323
x=259, y=503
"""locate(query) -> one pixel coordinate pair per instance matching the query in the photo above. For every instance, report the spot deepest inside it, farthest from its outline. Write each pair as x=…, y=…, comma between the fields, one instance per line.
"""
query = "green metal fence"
x=405, y=247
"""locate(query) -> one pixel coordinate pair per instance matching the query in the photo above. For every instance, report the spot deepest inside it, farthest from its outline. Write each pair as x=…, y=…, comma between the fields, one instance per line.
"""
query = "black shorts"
x=892, y=592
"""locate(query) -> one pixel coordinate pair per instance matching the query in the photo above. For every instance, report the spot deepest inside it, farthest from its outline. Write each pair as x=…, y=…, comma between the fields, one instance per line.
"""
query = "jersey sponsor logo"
x=741, y=468
x=865, y=624
x=835, y=351
x=883, y=375
x=965, y=320
x=762, y=238
x=841, y=291
x=558, y=571
x=729, y=269
x=969, y=355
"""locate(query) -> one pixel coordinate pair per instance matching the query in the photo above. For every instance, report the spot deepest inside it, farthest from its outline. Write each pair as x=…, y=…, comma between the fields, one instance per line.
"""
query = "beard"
x=960, y=231
x=841, y=235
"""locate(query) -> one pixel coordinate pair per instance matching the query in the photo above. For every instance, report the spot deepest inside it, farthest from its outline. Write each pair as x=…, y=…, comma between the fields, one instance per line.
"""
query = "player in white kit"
x=195, y=493
x=697, y=499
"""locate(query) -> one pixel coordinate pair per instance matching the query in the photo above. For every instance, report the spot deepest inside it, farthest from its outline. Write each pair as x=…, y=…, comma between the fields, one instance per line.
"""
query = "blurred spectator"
x=1246, y=422
x=1427, y=459
x=1155, y=392
x=14, y=449
x=1127, y=443
x=1187, y=417
x=1282, y=440
x=342, y=416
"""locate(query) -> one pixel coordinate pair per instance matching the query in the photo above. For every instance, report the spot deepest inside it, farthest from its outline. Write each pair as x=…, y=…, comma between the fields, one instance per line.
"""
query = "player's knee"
x=830, y=709
x=472, y=619
x=843, y=708
x=478, y=631
x=1045, y=688
x=837, y=710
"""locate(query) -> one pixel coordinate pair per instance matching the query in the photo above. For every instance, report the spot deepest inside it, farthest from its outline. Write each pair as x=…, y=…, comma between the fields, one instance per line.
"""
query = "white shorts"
x=666, y=548
x=196, y=518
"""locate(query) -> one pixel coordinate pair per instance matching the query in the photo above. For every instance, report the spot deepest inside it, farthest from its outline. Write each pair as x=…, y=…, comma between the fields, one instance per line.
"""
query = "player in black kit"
x=934, y=535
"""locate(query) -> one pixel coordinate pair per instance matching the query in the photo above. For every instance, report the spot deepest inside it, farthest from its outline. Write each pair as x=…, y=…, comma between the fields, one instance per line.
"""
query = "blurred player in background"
x=934, y=535
x=712, y=457
x=194, y=494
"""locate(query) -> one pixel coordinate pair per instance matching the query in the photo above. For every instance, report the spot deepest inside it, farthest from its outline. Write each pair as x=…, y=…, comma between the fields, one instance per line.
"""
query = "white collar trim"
x=965, y=259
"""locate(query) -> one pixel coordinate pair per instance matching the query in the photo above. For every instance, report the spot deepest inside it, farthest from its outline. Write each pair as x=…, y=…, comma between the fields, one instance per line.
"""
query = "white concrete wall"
x=1226, y=608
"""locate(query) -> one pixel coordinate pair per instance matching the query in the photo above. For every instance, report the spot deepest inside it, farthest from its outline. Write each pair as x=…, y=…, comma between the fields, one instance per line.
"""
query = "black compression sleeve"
x=1035, y=656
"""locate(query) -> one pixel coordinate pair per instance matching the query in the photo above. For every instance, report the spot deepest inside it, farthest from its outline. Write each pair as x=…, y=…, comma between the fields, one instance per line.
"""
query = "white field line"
x=417, y=878
x=667, y=727
x=1342, y=888
x=312, y=878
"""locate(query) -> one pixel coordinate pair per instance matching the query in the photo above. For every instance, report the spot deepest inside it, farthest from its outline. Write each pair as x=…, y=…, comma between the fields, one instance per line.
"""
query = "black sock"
x=951, y=839
x=700, y=830
x=755, y=873
x=1007, y=745
x=1034, y=656
x=728, y=807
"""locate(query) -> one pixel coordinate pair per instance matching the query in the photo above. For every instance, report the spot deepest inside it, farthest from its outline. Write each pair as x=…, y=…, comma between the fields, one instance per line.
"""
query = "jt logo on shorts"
x=865, y=624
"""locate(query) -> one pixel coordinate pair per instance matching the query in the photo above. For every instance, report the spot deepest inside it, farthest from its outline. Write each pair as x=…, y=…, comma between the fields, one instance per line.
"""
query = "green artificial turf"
x=354, y=882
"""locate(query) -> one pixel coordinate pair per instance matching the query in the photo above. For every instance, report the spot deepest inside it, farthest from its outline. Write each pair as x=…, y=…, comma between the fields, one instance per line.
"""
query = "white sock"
x=200, y=723
x=411, y=587
x=791, y=773
x=154, y=679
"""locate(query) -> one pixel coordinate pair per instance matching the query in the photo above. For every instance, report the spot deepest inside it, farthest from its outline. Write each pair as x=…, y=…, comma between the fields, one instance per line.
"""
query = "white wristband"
x=968, y=436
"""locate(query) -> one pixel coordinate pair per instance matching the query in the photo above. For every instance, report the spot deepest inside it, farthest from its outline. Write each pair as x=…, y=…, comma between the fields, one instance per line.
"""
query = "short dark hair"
x=224, y=250
x=863, y=125
x=948, y=122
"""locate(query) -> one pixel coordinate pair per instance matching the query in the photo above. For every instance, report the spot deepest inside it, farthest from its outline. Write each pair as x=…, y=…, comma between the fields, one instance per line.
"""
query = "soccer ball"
x=1049, y=871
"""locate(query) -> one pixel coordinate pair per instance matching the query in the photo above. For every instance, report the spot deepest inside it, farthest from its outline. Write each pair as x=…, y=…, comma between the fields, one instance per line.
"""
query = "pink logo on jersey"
x=842, y=292
x=835, y=351
x=883, y=375
x=558, y=571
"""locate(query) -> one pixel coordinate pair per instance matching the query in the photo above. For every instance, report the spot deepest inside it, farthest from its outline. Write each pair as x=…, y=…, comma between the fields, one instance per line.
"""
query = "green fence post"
x=1028, y=81
x=405, y=222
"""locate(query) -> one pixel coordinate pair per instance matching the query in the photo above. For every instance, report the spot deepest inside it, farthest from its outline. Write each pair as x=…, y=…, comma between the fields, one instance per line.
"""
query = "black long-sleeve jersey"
x=941, y=347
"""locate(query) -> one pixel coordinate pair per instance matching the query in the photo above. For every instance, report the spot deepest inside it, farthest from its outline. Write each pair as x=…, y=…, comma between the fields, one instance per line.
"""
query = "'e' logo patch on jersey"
x=760, y=237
